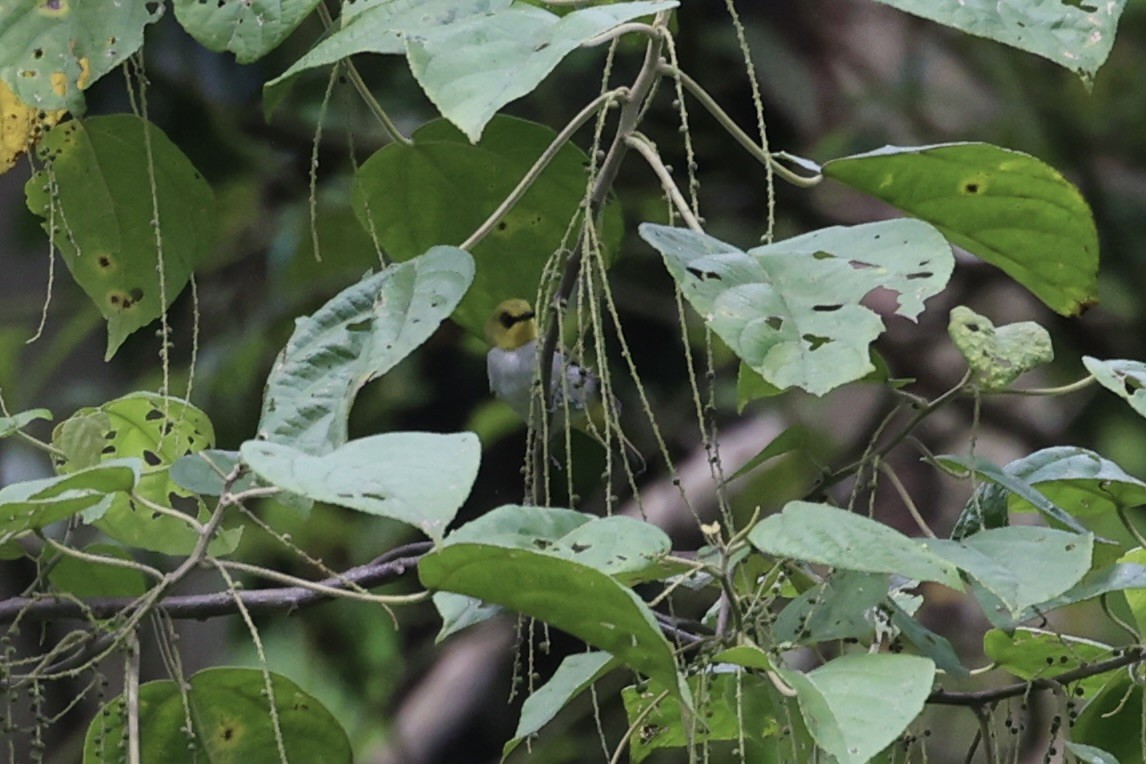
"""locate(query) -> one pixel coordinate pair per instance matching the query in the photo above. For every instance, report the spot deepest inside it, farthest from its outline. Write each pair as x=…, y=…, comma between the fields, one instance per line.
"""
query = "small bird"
x=512, y=362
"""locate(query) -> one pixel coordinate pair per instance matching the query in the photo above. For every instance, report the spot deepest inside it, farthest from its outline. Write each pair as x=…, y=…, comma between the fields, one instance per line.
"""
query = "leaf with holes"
x=231, y=718
x=158, y=431
x=249, y=29
x=1076, y=35
x=998, y=356
x=21, y=126
x=1008, y=208
x=357, y=336
x=95, y=194
x=792, y=310
x=51, y=50
x=1126, y=379
x=418, y=478
x=441, y=189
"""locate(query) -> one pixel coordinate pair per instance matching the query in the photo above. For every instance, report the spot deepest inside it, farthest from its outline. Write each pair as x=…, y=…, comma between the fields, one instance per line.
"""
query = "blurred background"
x=838, y=77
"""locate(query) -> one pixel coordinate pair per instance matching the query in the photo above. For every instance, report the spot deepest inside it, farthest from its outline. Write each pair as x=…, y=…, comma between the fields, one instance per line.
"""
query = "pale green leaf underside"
x=10, y=425
x=791, y=310
x=832, y=536
x=1022, y=565
x=572, y=677
x=856, y=705
x=357, y=336
x=1077, y=36
x=1126, y=379
x=472, y=67
x=378, y=27
x=1008, y=208
x=417, y=478
x=250, y=29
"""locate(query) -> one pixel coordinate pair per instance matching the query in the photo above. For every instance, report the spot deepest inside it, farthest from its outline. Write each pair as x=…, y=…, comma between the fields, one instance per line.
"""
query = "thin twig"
x=741, y=137
x=383, y=569
x=646, y=149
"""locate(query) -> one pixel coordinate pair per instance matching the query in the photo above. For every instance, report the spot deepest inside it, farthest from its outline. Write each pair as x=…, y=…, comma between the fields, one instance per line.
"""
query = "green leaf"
x=987, y=508
x=379, y=27
x=1006, y=207
x=1125, y=379
x=791, y=310
x=575, y=674
x=472, y=67
x=107, y=180
x=1112, y=720
x=998, y=356
x=789, y=440
x=622, y=547
x=459, y=612
x=1077, y=36
x=1015, y=485
x=158, y=431
x=857, y=705
x=1022, y=565
x=1088, y=754
x=418, y=478
x=1115, y=578
x=932, y=645
x=203, y=471
x=1037, y=654
x=230, y=718
x=440, y=189
x=49, y=52
x=249, y=29
x=570, y=596
x=35, y=504
x=1136, y=597
x=831, y=536
x=731, y=707
x=1077, y=480
x=10, y=425
x=86, y=578
x=357, y=336
x=836, y=609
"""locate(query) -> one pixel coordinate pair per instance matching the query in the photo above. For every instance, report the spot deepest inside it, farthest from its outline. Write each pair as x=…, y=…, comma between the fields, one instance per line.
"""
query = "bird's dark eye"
x=506, y=319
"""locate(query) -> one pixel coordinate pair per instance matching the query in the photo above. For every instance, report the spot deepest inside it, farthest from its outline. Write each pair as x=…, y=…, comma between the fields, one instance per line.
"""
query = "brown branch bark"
x=383, y=569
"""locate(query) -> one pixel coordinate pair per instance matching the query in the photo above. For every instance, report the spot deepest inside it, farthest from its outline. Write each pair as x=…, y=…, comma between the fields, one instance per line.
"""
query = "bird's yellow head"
x=511, y=325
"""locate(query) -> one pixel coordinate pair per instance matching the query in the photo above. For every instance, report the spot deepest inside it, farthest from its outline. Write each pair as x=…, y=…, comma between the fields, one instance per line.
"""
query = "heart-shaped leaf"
x=791, y=310
x=998, y=355
x=1008, y=208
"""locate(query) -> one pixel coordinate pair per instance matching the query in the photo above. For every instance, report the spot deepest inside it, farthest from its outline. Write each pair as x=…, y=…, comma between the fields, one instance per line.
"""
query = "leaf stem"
x=834, y=477
x=1073, y=387
x=543, y=161
x=359, y=84
x=741, y=137
x=905, y=497
x=648, y=150
x=616, y=757
x=621, y=29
